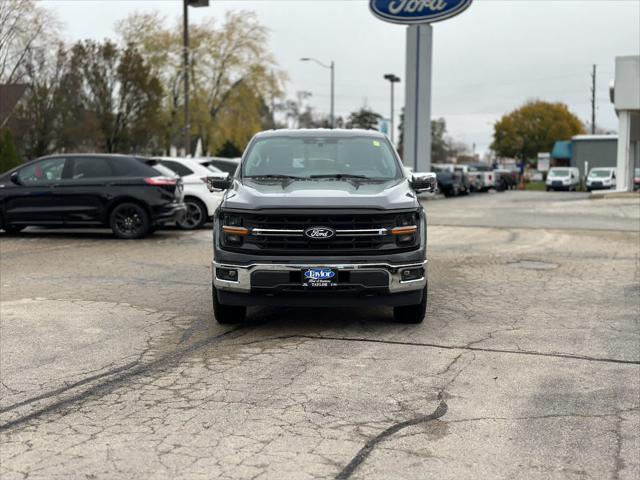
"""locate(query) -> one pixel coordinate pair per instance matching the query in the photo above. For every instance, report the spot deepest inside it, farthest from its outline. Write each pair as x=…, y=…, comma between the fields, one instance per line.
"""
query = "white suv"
x=201, y=203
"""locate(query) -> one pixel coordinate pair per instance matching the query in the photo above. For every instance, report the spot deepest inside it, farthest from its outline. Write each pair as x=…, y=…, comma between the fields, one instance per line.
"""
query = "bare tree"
x=24, y=26
x=121, y=93
x=38, y=114
x=233, y=74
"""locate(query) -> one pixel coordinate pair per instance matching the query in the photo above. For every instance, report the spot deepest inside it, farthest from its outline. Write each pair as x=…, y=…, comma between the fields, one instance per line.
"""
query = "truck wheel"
x=227, y=314
x=412, y=313
x=10, y=229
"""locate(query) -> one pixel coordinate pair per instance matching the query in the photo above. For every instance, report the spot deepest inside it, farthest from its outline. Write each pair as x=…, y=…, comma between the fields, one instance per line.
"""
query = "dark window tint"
x=177, y=167
x=90, y=167
x=131, y=167
x=48, y=170
x=228, y=167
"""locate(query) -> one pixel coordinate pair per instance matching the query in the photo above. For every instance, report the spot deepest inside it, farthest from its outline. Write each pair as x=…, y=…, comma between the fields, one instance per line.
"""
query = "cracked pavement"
x=527, y=366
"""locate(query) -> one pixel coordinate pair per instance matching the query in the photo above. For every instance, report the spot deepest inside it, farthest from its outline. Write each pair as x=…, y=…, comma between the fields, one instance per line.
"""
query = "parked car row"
x=131, y=195
x=456, y=180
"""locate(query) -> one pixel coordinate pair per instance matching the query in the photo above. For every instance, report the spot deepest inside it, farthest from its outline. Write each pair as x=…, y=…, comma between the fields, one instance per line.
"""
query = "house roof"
x=594, y=137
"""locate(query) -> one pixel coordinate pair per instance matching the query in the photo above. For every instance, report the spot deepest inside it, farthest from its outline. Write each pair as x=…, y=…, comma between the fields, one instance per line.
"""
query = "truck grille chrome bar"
x=285, y=233
x=275, y=232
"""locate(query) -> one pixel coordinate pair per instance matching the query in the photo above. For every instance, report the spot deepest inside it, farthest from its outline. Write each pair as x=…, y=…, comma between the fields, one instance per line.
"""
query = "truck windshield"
x=559, y=173
x=600, y=173
x=309, y=157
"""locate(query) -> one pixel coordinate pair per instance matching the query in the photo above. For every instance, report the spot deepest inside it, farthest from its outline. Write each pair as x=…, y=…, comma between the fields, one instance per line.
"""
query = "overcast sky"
x=487, y=61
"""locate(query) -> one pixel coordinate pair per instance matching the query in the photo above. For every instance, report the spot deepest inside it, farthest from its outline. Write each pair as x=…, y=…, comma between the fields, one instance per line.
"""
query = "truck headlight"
x=406, y=232
x=233, y=232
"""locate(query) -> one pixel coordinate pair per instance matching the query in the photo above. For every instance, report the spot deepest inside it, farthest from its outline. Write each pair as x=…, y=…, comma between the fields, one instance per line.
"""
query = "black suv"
x=320, y=218
x=116, y=191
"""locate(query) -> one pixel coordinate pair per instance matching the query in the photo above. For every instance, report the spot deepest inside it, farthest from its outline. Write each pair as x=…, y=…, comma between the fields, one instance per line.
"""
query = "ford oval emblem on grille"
x=319, y=233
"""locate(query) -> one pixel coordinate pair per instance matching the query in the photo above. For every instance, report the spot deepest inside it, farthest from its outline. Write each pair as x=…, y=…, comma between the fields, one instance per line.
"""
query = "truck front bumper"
x=275, y=284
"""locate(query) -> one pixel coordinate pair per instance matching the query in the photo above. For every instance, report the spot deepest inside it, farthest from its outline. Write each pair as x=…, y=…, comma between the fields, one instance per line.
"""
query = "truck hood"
x=330, y=193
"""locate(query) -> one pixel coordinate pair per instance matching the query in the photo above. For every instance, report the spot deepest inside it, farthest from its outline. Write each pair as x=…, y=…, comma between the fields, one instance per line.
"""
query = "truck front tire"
x=412, y=313
x=227, y=314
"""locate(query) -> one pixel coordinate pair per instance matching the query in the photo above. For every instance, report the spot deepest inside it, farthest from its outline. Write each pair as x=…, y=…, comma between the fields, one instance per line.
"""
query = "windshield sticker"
x=376, y=143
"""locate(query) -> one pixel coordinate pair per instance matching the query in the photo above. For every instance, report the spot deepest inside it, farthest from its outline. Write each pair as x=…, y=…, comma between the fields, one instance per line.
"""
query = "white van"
x=563, y=178
x=601, y=179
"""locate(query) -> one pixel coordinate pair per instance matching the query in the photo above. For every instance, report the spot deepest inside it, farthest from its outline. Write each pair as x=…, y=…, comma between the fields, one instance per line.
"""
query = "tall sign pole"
x=418, y=14
x=417, y=110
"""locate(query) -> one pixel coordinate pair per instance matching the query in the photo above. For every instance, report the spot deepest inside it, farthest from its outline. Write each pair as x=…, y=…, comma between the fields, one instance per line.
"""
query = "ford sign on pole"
x=418, y=15
x=417, y=11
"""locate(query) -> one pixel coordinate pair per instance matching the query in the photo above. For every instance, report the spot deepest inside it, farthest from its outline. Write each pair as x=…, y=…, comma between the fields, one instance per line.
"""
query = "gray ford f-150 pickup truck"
x=320, y=218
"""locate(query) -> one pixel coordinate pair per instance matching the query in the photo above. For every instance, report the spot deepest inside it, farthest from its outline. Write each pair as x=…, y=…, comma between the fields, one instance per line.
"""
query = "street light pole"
x=185, y=58
x=332, y=67
x=392, y=80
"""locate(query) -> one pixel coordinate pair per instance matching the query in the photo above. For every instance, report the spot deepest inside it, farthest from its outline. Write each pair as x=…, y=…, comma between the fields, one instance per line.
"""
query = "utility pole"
x=332, y=67
x=593, y=101
x=333, y=94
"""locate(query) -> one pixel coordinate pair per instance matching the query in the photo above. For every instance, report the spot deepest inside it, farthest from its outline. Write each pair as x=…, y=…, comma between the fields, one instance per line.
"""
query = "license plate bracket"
x=319, y=277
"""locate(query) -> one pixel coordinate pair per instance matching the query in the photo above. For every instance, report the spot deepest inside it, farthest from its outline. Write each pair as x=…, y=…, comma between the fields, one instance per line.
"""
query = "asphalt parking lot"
x=527, y=366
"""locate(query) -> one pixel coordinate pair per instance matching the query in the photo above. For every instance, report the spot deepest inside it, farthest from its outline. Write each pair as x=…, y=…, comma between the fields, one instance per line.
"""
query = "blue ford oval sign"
x=417, y=11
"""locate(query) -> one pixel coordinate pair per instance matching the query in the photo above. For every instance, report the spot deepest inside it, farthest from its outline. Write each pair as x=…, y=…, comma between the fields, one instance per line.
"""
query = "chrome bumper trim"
x=243, y=284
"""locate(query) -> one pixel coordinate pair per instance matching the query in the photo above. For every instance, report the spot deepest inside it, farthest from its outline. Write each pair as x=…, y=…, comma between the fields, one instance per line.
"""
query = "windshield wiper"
x=354, y=178
x=340, y=175
x=276, y=177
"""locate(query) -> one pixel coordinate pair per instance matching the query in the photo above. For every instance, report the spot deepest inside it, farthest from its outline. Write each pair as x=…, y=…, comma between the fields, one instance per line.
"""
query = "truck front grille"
x=360, y=233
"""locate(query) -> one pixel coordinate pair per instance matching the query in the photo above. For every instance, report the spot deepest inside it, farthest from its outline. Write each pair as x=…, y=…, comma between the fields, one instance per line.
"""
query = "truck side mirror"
x=15, y=179
x=423, y=182
x=219, y=181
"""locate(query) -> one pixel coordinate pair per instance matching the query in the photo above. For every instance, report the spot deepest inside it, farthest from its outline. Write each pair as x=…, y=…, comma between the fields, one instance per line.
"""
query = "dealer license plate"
x=319, y=277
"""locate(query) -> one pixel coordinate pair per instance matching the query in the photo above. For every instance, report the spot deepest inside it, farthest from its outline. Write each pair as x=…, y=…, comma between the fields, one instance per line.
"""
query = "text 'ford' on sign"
x=417, y=11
